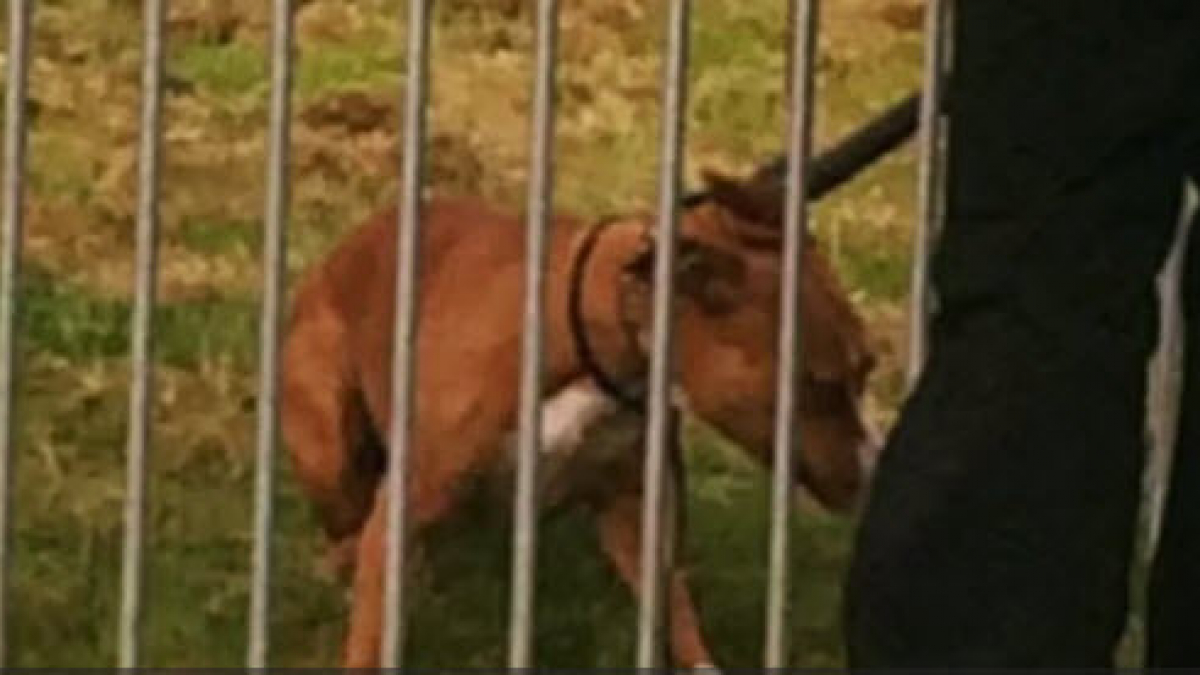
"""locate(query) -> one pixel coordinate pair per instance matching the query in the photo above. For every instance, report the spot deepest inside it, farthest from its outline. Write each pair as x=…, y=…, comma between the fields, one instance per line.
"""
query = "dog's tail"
x=837, y=165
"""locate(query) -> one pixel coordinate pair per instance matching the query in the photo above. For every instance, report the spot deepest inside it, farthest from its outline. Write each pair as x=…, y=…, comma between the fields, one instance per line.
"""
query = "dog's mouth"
x=842, y=491
x=843, y=498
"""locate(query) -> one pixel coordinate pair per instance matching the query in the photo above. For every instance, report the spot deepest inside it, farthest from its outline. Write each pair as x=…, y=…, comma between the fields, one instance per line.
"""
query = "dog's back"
x=339, y=349
x=360, y=273
x=465, y=250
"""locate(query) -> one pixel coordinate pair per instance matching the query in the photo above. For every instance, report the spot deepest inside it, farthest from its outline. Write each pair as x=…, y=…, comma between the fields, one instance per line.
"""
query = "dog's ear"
x=753, y=208
x=758, y=200
x=712, y=277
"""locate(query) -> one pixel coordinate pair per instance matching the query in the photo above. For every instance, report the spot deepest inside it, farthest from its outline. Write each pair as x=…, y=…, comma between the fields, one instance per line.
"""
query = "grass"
x=73, y=395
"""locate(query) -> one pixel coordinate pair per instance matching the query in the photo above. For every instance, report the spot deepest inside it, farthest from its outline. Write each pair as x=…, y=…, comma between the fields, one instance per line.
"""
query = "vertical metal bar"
x=541, y=200
x=274, y=261
x=804, y=15
x=405, y=332
x=141, y=390
x=674, y=512
x=931, y=189
x=661, y=361
x=1166, y=382
x=19, y=12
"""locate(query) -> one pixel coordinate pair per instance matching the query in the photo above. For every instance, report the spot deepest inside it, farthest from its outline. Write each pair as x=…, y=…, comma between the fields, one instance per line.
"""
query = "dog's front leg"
x=621, y=538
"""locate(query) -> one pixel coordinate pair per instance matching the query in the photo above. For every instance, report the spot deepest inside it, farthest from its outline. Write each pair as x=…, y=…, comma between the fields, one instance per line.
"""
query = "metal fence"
x=655, y=524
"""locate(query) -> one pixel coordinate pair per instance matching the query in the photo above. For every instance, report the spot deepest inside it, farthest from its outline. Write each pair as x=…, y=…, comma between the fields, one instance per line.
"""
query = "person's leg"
x=1175, y=576
x=1001, y=520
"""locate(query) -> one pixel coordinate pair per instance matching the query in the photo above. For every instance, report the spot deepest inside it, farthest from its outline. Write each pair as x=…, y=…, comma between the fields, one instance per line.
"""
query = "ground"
x=73, y=395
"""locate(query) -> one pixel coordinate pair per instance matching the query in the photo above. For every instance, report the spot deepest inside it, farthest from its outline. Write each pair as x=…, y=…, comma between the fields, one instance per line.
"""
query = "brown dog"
x=337, y=374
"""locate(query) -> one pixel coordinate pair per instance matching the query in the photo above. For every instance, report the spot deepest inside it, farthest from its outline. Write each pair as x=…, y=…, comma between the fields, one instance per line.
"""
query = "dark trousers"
x=1002, y=519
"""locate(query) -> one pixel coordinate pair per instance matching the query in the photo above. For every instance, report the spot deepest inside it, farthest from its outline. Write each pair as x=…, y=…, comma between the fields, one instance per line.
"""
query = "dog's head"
x=728, y=274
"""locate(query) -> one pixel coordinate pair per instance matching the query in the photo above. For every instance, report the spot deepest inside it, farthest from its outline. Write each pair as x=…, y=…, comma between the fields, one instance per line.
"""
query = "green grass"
x=73, y=397
x=65, y=322
x=337, y=67
x=220, y=237
x=221, y=69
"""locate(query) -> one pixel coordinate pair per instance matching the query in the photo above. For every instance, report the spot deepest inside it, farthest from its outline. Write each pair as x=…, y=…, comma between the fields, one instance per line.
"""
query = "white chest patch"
x=585, y=437
x=568, y=414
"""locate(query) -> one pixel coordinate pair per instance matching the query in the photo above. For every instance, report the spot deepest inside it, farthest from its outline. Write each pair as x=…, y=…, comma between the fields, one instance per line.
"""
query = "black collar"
x=632, y=399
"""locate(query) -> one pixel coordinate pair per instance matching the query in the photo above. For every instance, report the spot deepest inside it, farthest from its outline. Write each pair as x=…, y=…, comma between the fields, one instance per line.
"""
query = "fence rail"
x=274, y=264
x=420, y=16
x=141, y=394
x=803, y=29
x=10, y=268
x=931, y=180
x=540, y=206
x=658, y=420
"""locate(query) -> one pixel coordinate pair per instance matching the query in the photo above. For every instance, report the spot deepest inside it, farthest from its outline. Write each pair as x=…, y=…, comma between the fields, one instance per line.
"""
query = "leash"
x=837, y=165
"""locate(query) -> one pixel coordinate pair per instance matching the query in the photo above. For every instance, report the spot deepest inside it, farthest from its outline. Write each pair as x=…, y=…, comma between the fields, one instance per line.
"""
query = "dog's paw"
x=706, y=669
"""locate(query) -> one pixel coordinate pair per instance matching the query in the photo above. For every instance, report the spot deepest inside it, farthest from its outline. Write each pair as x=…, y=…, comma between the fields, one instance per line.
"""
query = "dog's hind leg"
x=429, y=502
x=438, y=476
x=335, y=453
x=620, y=526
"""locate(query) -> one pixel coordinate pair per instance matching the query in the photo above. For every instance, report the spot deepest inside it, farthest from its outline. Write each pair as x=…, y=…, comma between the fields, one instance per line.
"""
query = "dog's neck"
x=604, y=320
